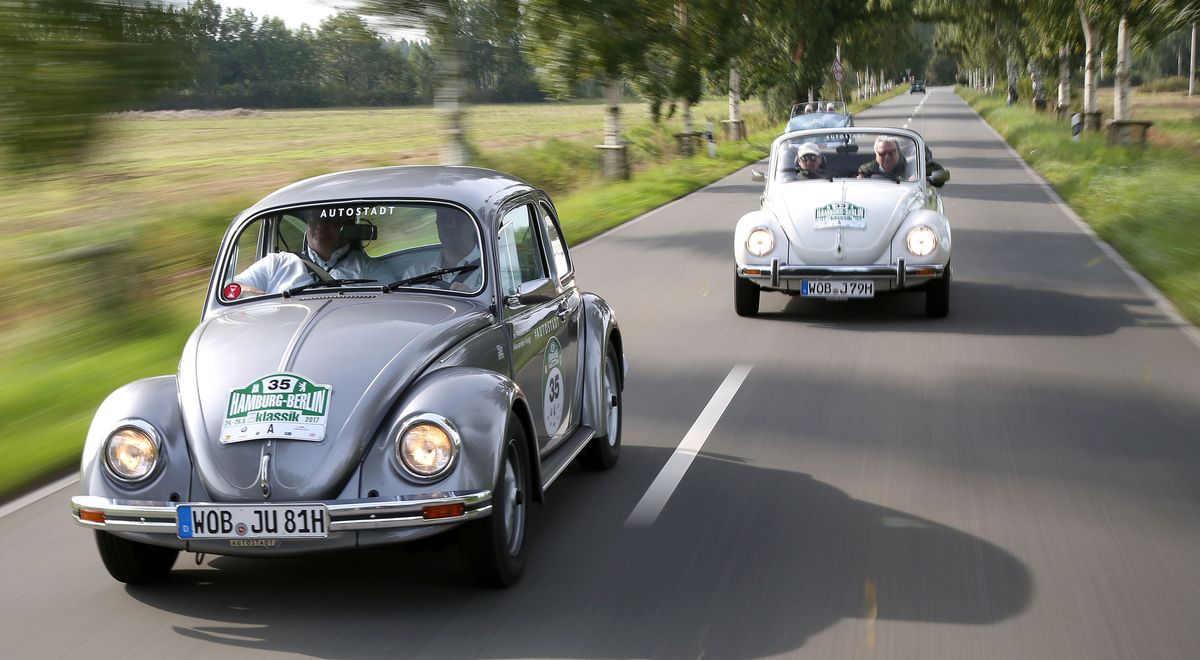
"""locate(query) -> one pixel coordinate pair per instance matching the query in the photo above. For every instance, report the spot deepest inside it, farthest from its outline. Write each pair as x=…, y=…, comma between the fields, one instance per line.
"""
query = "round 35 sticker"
x=552, y=387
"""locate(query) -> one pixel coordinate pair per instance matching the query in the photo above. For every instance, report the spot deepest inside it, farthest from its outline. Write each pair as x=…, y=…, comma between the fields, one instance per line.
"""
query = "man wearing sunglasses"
x=889, y=162
x=809, y=161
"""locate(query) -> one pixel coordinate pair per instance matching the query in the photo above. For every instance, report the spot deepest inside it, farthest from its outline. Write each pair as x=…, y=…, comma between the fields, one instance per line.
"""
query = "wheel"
x=132, y=562
x=745, y=296
x=602, y=453
x=494, y=547
x=937, y=296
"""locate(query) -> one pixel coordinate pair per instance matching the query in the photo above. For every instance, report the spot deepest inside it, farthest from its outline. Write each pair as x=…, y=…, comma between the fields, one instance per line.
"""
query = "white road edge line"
x=1162, y=302
x=30, y=498
x=652, y=503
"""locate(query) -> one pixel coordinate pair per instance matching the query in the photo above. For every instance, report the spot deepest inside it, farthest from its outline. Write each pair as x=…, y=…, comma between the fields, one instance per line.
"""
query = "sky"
x=297, y=12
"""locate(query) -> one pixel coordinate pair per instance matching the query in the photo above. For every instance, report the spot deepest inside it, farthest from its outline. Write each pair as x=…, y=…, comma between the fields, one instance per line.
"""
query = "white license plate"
x=254, y=521
x=837, y=288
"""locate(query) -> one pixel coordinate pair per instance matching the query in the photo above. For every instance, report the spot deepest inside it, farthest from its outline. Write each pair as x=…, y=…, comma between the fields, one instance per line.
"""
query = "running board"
x=558, y=460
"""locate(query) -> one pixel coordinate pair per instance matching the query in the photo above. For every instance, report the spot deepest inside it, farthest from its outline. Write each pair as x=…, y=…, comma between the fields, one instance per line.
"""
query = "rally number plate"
x=263, y=521
x=837, y=288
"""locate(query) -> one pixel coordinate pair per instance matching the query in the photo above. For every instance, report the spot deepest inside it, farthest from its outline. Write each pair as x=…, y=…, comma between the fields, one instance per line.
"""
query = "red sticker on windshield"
x=232, y=291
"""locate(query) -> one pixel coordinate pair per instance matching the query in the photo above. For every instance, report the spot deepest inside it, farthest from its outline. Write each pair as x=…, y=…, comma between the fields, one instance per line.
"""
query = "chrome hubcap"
x=514, y=505
x=614, y=406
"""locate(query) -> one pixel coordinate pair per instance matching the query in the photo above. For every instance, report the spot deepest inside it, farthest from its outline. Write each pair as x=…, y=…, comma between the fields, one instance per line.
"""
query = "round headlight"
x=427, y=446
x=760, y=241
x=921, y=241
x=132, y=451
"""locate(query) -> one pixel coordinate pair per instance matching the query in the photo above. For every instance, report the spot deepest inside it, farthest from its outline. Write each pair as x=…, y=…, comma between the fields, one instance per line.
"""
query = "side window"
x=558, y=247
x=291, y=234
x=517, y=248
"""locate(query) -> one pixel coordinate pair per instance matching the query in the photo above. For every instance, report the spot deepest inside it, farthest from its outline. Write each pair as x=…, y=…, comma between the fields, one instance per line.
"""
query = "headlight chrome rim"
x=144, y=428
x=925, y=229
x=767, y=244
x=445, y=426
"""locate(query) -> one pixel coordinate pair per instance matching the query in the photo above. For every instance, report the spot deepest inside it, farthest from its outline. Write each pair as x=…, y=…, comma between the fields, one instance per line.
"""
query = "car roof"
x=474, y=188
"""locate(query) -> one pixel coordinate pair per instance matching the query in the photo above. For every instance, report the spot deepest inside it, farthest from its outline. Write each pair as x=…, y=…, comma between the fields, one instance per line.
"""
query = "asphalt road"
x=1019, y=480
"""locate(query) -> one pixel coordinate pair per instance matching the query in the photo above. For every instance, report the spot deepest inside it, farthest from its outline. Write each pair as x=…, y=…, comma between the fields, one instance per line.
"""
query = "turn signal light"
x=753, y=271
x=443, y=511
x=91, y=516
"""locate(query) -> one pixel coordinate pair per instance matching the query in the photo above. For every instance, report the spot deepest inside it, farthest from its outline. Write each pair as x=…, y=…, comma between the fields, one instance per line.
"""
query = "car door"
x=530, y=300
x=569, y=311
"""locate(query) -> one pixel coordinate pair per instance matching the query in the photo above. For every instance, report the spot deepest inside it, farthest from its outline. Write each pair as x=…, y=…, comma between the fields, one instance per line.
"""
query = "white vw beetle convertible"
x=846, y=213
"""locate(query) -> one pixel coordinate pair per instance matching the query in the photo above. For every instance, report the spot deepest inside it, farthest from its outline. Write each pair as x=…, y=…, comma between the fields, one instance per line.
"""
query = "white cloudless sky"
x=298, y=12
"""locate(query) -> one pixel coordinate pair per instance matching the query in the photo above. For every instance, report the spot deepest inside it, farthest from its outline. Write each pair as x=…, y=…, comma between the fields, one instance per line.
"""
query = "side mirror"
x=758, y=175
x=939, y=178
x=532, y=292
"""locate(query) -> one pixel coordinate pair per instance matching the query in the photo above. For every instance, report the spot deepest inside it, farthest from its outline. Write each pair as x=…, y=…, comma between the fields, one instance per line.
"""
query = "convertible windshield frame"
x=844, y=150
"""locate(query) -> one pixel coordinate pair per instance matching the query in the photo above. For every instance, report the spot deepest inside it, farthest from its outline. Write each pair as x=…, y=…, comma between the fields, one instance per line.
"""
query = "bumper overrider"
x=408, y=512
x=902, y=275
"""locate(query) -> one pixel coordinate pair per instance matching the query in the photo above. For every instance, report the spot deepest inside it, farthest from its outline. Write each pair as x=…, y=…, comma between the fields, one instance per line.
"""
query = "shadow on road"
x=751, y=562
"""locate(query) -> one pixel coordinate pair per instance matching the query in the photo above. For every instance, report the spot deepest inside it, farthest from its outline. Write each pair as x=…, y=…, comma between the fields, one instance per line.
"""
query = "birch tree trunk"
x=1121, y=95
x=448, y=100
x=1192, y=75
x=1091, y=39
x=612, y=111
x=735, y=95
x=1064, y=78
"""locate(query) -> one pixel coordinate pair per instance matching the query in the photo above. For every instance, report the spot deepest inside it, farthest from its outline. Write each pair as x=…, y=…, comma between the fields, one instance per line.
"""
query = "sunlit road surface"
x=1019, y=480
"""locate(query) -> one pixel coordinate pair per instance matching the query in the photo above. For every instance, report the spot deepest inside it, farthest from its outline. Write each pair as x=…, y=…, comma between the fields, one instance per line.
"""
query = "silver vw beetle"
x=846, y=214
x=384, y=355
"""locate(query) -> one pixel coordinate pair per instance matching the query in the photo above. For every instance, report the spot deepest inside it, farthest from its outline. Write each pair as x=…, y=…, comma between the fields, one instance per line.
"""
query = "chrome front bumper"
x=777, y=276
x=344, y=515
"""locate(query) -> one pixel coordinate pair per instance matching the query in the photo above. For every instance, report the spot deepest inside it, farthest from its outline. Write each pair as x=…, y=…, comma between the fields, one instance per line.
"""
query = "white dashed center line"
x=652, y=503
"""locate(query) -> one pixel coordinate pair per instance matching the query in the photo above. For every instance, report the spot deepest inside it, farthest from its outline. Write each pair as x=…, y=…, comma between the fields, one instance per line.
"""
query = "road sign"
x=838, y=72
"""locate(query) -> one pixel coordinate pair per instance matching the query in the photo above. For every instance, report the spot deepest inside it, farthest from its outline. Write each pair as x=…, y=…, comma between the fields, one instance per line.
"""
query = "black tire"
x=937, y=296
x=132, y=562
x=745, y=296
x=494, y=547
x=602, y=452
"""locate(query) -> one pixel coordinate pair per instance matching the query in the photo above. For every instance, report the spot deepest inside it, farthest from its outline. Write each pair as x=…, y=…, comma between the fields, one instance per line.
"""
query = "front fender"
x=153, y=400
x=600, y=329
x=935, y=221
x=477, y=402
x=747, y=224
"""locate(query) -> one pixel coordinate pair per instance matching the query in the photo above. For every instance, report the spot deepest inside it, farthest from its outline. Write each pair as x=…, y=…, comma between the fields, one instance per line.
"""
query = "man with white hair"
x=889, y=162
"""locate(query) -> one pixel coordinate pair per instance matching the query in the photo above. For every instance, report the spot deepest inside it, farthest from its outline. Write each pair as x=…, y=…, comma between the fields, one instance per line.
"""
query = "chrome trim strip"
x=872, y=271
x=160, y=518
x=548, y=480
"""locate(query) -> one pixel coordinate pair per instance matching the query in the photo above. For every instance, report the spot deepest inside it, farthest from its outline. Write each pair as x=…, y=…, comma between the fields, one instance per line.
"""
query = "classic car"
x=819, y=114
x=331, y=413
x=837, y=225
x=917, y=86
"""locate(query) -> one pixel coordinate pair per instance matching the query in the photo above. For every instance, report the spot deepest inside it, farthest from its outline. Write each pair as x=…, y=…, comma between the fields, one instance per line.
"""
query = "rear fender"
x=600, y=329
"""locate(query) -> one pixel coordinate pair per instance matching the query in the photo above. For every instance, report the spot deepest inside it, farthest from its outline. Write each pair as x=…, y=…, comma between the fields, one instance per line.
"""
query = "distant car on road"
x=819, y=114
x=846, y=229
x=351, y=413
x=917, y=86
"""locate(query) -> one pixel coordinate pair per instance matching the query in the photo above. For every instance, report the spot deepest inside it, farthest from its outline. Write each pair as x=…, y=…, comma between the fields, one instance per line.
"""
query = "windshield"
x=821, y=156
x=366, y=244
x=816, y=120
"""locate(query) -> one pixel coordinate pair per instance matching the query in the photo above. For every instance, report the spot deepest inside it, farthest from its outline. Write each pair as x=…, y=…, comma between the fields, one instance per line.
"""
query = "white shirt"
x=469, y=279
x=281, y=271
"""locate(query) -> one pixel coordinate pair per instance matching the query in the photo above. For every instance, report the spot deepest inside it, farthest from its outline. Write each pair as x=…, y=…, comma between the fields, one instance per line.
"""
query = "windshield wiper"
x=430, y=276
x=336, y=282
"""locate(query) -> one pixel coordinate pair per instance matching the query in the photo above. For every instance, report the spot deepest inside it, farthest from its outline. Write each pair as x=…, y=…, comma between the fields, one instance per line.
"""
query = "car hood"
x=844, y=221
x=366, y=349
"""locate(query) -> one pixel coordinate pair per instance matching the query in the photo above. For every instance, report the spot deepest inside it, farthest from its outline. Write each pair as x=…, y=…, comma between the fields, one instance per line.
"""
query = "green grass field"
x=117, y=252
x=1144, y=201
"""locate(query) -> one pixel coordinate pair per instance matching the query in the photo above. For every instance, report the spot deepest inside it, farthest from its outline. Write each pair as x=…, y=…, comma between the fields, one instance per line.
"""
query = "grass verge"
x=1142, y=201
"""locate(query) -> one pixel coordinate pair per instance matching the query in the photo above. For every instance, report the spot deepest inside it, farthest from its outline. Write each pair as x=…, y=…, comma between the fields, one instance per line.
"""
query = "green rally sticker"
x=840, y=215
x=277, y=406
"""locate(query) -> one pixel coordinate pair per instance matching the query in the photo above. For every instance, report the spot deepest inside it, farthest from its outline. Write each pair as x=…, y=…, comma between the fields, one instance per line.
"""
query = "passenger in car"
x=810, y=163
x=326, y=247
x=460, y=249
x=888, y=163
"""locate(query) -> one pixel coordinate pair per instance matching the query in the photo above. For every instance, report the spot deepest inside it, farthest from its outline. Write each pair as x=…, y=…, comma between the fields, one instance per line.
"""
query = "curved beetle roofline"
x=474, y=188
